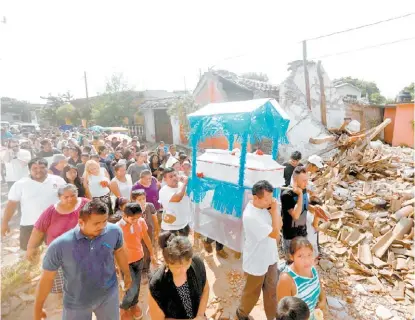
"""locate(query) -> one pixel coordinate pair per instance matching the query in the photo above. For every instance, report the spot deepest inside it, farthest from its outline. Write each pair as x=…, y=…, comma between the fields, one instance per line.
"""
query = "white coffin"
x=223, y=165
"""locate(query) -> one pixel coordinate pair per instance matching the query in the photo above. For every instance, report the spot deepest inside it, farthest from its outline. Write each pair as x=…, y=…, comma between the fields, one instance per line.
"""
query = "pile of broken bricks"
x=367, y=190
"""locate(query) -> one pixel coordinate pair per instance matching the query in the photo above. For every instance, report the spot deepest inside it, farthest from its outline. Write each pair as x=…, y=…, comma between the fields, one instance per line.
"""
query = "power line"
x=364, y=48
x=361, y=27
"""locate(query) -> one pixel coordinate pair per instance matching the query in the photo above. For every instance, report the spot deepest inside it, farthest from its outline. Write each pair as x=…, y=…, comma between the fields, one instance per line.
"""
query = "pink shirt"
x=54, y=224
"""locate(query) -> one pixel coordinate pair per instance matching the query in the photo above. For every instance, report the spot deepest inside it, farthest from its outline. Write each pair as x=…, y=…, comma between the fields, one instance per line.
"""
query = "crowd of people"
x=106, y=207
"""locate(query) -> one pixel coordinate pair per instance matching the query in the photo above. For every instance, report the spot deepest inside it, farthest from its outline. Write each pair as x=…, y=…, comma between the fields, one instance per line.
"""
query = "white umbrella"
x=119, y=137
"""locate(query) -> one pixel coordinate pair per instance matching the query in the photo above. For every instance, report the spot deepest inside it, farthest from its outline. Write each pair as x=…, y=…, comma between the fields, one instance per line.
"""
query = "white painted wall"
x=149, y=125
x=175, y=126
x=306, y=124
x=348, y=89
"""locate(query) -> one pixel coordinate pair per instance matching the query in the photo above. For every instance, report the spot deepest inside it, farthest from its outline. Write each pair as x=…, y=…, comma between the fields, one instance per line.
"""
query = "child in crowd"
x=300, y=278
x=119, y=207
x=292, y=308
x=134, y=230
x=150, y=217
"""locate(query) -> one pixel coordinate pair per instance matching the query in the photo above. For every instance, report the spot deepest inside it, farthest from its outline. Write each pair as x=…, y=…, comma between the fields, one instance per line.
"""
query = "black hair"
x=87, y=148
x=101, y=148
x=261, y=186
x=137, y=193
x=119, y=202
x=175, y=248
x=182, y=157
x=37, y=161
x=44, y=142
x=118, y=166
x=296, y=155
x=132, y=209
x=151, y=161
x=95, y=206
x=77, y=181
x=65, y=147
x=168, y=170
x=142, y=147
x=297, y=243
x=299, y=170
x=78, y=150
x=95, y=155
x=85, y=154
x=126, y=154
x=292, y=308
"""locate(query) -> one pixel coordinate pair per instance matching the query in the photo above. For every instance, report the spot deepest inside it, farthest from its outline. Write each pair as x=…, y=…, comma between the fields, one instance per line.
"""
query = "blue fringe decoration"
x=227, y=197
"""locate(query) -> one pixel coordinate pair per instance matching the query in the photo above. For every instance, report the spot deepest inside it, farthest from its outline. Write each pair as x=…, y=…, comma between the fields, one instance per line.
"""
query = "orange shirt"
x=133, y=234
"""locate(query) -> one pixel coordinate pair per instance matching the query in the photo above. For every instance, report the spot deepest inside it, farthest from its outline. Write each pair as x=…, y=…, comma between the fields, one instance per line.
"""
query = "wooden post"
x=323, y=107
x=307, y=80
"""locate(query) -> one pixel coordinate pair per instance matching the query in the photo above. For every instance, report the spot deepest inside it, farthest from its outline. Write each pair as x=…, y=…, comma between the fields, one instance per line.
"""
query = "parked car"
x=15, y=128
x=29, y=127
x=5, y=124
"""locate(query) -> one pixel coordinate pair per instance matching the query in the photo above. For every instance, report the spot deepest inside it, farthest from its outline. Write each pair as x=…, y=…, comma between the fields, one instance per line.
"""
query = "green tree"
x=68, y=112
x=256, y=76
x=53, y=103
x=115, y=105
x=410, y=89
x=368, y=88
x=181, y=108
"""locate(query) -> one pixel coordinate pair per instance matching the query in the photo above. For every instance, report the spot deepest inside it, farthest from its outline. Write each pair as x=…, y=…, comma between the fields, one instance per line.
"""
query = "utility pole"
x=323, y=107
x=307, y=80
x=87, y=98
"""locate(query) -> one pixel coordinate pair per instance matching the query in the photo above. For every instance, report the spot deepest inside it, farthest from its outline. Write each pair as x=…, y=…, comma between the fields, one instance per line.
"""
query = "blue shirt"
x=88, y=265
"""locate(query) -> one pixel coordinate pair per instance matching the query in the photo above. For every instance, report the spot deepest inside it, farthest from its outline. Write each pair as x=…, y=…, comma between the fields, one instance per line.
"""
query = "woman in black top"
x=70, y=175
x=179, y=289
x=155, y=164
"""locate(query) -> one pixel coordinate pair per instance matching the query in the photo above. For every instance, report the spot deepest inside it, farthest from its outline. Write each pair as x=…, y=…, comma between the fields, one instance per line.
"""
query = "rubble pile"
x=368, y=193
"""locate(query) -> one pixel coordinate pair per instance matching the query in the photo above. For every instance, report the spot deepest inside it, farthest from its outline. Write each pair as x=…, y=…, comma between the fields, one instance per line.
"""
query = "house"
x=152, y=106
x=158, y=124
x=305, y=123
x=13, y=110
x=348, y=92
x=400, y=132
x=223, y=85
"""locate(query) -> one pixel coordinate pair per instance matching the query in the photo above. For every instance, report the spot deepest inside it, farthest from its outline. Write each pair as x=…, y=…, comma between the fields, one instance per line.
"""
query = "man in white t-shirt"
x=34, y=193
x=175, y=202
x=262, y=225
x=16, y=160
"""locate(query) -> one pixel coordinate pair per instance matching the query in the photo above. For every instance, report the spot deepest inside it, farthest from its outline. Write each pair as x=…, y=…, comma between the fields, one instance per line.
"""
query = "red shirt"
x=54, y=224
x=133, y=234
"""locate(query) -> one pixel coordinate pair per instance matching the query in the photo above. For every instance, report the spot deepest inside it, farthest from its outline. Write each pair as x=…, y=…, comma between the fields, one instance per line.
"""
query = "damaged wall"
x=306, y=124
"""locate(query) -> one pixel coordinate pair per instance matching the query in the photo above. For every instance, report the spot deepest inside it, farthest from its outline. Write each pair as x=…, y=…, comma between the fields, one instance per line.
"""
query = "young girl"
x=119, y=207
x=300, y=278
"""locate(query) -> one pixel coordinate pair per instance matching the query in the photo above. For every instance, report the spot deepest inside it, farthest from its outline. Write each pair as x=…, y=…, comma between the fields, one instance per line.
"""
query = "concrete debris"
x=335, y=304
x=383, y=313
x=368, y=193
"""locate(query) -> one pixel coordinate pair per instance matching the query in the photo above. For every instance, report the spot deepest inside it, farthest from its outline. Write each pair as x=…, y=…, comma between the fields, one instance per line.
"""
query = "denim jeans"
x=131, y=296
x=106, y=309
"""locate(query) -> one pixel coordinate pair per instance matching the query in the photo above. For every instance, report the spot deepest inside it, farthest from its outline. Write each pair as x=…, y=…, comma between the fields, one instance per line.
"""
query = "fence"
x=136, y=131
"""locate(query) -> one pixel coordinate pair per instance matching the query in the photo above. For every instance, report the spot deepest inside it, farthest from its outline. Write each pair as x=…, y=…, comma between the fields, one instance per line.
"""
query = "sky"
x=45, y=46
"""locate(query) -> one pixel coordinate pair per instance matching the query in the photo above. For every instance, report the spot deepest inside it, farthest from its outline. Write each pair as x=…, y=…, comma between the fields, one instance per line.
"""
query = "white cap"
x=316, y=160
x=171, y=161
